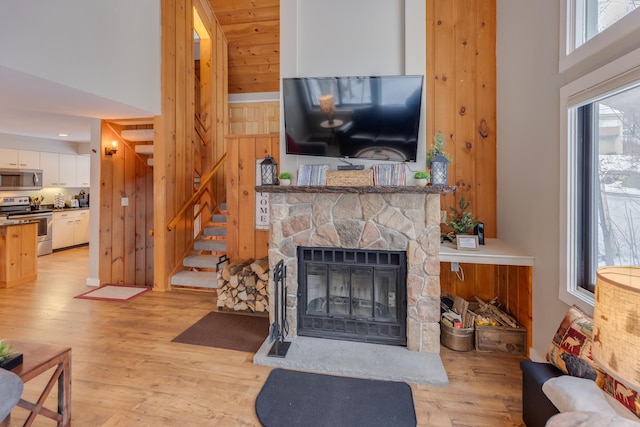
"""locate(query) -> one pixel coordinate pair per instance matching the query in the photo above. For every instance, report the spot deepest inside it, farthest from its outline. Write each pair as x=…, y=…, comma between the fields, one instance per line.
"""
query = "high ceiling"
x=35, y=107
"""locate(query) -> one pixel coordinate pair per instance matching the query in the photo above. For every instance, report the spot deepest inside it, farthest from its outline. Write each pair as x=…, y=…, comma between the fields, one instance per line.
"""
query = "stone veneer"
x=385, y=220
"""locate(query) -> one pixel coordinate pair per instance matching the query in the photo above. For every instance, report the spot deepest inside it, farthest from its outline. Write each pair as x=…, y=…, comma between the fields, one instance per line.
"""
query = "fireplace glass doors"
x=350, y=294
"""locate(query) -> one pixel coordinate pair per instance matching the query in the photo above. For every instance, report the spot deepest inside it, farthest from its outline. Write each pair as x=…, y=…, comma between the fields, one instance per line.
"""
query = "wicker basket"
x=350, y=178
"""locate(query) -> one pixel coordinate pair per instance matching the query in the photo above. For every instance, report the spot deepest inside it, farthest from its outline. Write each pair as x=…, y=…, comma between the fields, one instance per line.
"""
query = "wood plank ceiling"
x=252, y=28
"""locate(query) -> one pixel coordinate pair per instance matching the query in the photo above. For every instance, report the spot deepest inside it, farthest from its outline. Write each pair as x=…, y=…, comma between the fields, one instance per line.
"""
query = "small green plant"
x=5, y=349
x=437, y=148
x=421, y=175
x=284, y=175
x=461, y=221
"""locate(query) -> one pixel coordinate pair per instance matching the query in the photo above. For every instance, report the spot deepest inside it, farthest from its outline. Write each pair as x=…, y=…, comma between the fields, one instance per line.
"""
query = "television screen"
x=374, y=117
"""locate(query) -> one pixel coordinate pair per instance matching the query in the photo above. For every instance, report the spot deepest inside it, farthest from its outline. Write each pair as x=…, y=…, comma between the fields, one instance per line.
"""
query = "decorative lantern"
x=269, y=171
x=439, y=170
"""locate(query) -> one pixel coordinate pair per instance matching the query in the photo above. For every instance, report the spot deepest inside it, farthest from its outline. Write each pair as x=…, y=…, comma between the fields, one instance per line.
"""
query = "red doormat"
x=114, y=293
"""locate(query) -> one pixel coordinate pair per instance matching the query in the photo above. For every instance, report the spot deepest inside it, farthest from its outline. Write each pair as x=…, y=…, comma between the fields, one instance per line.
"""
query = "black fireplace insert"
x=352, y=294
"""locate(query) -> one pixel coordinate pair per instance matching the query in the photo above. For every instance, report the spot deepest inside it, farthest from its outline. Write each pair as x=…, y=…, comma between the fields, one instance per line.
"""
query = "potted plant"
x=284, y=178
x=421, y=178
x=5, y=349
x=437, y=148
x=461, y=220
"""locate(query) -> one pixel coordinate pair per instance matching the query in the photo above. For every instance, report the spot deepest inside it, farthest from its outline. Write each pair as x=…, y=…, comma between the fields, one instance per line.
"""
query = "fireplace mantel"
x=375, y=189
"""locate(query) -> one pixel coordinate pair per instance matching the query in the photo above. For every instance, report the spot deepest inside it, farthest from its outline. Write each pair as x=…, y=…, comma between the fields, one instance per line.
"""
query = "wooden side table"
x=38, y=358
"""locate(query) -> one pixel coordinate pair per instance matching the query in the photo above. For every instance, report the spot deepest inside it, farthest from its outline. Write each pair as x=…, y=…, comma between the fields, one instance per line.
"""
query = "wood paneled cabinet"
x=18, y=254
x=19, y=159
x=70, y=228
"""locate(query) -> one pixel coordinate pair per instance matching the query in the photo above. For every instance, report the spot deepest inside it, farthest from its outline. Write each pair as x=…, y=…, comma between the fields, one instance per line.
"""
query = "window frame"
x=570, y=55
x=614, y=77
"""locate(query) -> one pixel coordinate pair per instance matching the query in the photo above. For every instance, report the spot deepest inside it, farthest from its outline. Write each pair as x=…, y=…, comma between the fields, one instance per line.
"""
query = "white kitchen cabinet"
x=28, y=159
x=83, y=172
x=81, y=228
x=67, y=170
x=70, y=228
x=49, y=163
x=62, y=231
x=10, y=158
x=64, y=170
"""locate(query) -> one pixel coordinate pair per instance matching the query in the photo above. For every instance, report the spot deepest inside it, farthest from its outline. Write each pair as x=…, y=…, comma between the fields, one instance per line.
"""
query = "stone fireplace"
x=405, y=219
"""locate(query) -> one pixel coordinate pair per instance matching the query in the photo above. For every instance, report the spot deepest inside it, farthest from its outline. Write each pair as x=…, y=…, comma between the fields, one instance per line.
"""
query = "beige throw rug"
x=114, y=293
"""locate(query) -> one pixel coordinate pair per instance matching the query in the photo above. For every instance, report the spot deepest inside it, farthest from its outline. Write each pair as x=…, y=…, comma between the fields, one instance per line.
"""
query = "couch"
x=571, y=381
x=10, y=391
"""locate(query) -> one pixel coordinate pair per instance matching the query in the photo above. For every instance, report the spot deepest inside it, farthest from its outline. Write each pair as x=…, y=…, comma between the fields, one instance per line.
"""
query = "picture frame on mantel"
x=466, y=242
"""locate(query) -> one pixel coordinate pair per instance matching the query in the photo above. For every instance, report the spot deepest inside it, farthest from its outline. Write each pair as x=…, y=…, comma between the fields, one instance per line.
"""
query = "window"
x=608, y=150
x=601, y=174
x=345, y=91
x=594, y=16
x=591, y=26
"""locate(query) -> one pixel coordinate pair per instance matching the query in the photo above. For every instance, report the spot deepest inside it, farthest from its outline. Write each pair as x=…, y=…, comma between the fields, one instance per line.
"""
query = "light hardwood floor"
x=127, y=372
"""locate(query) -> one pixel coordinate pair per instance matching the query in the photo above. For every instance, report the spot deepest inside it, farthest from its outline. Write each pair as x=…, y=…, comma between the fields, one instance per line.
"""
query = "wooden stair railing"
x=189, y=203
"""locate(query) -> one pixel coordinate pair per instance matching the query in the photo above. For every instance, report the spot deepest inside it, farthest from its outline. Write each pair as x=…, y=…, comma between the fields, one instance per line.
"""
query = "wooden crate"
x=501, y=339
x=350, y=178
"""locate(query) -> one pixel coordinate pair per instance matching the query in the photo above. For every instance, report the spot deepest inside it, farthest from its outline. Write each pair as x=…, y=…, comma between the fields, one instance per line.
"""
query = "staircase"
x=209, y=251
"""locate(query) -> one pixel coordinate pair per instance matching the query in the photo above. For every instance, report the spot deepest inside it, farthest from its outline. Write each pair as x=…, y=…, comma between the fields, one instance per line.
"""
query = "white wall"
x=351, y=37
x=528, y=134
x=110, y=49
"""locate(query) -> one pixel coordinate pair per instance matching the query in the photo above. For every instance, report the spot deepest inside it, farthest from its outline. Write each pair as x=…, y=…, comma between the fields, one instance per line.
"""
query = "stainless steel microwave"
x=20, y=179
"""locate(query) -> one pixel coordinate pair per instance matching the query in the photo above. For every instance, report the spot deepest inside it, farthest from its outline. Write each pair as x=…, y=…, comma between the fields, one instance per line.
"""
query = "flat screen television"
x=364, y=117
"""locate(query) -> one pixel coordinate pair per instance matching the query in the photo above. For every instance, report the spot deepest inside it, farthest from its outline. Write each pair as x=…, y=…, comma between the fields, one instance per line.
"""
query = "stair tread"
x=215, y=230
x=201, y=261
x=219, y=218
x=200, y=279
x=210, y=245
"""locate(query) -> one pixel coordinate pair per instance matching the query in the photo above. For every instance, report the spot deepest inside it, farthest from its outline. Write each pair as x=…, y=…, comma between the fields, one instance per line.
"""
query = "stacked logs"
x=243, y=286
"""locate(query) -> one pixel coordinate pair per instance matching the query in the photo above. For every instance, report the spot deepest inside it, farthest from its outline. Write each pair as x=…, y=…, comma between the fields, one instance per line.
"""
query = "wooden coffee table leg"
x=62, y=375
x=64, y=391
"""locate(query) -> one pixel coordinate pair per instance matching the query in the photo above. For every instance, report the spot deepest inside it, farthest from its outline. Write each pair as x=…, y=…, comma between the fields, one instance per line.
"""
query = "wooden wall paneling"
x=233, y=172
x=106, y=203
x=141, y=194
x=464, y=164
x=130, y=239
x=485, y=135
x=247, y=118
x=204, y=148
x=163, y=154
x=117, y=224
x=184, y=109
x=246, y=196
x=443, y=110
x=222, y=111
x=149, y=231
x=253, y=32
x=485, y=281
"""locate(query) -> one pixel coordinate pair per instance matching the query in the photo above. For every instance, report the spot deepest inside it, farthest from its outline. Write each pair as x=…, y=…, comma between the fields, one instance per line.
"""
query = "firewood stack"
x=243, y=286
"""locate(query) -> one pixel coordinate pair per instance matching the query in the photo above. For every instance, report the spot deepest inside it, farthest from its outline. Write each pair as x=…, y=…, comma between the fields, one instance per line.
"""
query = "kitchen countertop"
x=69, y=209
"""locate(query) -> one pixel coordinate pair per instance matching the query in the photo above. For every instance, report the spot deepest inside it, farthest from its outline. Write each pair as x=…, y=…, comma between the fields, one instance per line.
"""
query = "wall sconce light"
x=110, y=151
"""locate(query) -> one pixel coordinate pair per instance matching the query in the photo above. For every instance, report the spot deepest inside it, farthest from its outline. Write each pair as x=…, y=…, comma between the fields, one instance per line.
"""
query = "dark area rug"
x=294, y=398
x=230, y=331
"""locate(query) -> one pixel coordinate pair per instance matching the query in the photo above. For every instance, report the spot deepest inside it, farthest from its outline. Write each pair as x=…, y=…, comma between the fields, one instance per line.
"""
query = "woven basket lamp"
x=616, y=327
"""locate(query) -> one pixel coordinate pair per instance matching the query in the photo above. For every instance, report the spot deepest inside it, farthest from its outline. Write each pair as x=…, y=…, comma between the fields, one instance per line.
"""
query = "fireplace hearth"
x=349, y=294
